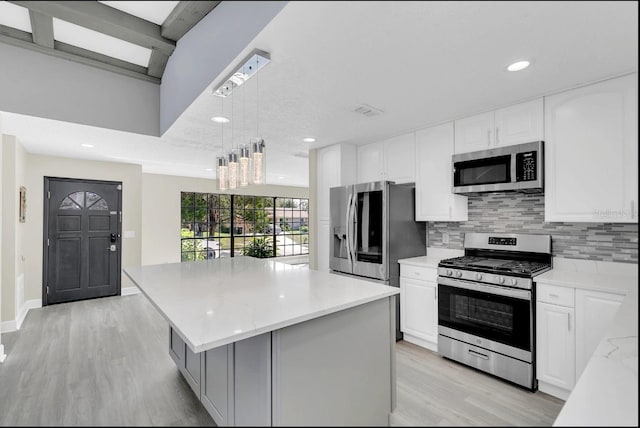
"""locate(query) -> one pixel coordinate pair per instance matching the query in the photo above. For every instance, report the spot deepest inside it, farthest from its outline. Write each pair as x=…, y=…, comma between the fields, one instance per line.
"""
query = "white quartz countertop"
x=606, y=394
x=433, y=257
x=217, y=302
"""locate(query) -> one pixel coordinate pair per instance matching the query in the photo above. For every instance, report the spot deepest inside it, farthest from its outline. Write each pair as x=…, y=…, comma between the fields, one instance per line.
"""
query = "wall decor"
x=23, y=205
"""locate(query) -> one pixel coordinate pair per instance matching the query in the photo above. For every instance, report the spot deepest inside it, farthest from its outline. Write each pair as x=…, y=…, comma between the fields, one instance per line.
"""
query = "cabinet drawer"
x=556, y=295
x=422, y=273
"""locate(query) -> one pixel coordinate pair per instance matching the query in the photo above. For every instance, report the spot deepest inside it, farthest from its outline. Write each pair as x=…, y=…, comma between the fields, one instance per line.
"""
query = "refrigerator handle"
x=348, y=243
x=354, y=231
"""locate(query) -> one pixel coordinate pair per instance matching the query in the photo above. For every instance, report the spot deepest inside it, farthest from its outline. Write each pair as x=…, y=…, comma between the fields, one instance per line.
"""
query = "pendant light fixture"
x=258, y=157
x=247, y=164
x=222, y=163
x=233, y=158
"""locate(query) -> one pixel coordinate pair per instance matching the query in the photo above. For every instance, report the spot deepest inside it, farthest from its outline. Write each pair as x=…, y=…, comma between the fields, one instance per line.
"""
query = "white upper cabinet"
x=519, y=123
x=434, y=198
x=391, y=160
x=399, y=158
x=370, y=163
x=474, y=133
x=591, y=153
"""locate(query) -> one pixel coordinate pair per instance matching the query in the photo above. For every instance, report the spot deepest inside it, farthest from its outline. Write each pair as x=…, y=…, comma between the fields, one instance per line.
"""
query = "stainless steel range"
x=486, y=304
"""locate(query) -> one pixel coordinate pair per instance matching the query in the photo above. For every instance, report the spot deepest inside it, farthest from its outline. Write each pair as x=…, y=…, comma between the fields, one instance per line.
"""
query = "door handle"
x=113, y=238
x=112, y=248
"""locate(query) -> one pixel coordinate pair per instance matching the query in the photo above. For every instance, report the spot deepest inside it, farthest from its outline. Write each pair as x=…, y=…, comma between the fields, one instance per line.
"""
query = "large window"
x=221, y=225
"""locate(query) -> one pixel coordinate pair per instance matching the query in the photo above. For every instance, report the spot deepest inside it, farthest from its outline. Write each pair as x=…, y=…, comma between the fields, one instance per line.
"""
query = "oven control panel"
x=496, y=240
x=484, y=277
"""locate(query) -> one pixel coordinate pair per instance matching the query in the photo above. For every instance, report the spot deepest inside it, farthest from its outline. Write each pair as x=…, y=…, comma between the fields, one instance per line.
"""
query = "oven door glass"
x=503, y=319
x=482, y=171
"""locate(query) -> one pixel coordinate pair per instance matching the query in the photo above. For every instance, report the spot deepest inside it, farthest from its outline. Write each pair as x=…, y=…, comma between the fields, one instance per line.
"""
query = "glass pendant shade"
x=244, y=161
x=259, y=157
x=233, y=170
x=222, y=173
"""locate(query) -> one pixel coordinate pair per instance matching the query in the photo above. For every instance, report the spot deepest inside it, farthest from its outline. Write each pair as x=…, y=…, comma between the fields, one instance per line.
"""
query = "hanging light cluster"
x=244, y=164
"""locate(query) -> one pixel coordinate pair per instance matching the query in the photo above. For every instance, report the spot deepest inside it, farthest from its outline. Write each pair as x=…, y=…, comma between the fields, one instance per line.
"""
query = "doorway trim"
x=45, y=229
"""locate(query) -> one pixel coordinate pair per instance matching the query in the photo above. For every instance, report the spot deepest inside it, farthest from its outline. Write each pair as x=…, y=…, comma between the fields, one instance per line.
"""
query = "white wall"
x=38, y=167
x=54, y=88
x=161, y=211
x=2, y=354
x=207, y=50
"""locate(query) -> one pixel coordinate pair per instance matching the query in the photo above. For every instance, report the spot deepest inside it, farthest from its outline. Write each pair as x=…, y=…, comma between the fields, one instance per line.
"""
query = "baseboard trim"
x=127, y=291
x=24, y=310
x=8, y=326
x=2, y=354
x=420, y=342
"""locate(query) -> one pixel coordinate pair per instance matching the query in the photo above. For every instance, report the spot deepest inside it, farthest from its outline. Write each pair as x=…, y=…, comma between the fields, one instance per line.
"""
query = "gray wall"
x=207, y=49
x=35, y=84
x=524, y=213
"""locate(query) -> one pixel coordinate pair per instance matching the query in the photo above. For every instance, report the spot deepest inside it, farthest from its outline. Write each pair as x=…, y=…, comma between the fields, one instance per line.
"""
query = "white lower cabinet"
x=594, y=311
x=570, y=323
x=556, y=349
x=419, y=306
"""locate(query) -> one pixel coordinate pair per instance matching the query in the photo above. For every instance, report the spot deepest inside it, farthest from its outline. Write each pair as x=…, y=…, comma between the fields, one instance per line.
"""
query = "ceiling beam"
x=157, y=63
x=184, y=16
x=41, y=29
x=104, y=19
x=23, y=39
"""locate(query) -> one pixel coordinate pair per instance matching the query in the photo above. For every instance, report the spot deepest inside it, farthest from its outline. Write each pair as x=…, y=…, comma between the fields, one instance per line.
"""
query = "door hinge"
x=48, y=243
x=47, y=289
x=120, y=216
x=119, y=187
x=48, y=195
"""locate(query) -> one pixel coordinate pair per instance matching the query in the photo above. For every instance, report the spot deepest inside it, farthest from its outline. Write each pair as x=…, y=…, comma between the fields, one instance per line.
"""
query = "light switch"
x=445, y=237
x=129, y=234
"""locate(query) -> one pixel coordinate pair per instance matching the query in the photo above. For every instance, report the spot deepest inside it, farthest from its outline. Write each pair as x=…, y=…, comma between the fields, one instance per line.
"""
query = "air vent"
x=367, y=110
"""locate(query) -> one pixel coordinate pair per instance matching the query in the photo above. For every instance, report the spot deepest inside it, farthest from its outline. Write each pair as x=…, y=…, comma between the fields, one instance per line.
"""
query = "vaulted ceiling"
x=419, y=63
x=133, y=38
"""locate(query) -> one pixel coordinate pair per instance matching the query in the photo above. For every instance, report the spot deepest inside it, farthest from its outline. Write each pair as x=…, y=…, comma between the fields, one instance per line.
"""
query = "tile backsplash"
x=515, y=212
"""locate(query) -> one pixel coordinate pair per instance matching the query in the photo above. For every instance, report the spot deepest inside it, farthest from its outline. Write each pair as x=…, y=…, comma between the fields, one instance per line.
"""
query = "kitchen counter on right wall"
x=606, y=394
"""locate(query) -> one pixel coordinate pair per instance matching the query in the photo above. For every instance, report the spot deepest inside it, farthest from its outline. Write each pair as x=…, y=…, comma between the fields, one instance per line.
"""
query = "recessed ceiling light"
x=517, y=66
x=87, y=145
x=220, y=119
x=209, y=169
x=309, y=140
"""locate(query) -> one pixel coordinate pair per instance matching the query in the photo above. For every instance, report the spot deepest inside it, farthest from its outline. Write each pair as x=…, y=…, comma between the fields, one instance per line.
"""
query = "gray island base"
x=324, y=362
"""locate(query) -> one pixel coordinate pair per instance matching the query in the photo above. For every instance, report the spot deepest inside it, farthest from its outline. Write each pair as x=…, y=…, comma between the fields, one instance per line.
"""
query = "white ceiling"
x=420, y=62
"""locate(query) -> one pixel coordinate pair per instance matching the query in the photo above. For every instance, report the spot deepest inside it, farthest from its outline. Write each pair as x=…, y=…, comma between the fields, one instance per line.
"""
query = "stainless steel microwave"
x=517, y=167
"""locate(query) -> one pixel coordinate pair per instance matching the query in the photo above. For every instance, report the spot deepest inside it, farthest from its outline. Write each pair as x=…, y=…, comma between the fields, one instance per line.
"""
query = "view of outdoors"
x=221, y=225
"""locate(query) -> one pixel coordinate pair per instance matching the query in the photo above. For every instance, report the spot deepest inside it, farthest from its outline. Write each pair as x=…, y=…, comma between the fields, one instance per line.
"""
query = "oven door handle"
x=484, y=288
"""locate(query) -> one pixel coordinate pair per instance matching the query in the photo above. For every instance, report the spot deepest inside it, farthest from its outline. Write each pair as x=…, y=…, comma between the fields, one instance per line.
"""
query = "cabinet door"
x=324, y=239
x=419, y=309
x=520, y=123
x=434, y=199
x=192, y=369
x=218, y=384
x=591, y=148
x=399, y=159
x=328, y=176
x=370, y=163
x=176, y=348
x=556, y=345
x=594, y=312
x=474, y=133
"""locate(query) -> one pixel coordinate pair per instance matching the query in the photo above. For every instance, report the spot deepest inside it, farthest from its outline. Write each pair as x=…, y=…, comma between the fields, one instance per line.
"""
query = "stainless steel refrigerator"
x=372, y=227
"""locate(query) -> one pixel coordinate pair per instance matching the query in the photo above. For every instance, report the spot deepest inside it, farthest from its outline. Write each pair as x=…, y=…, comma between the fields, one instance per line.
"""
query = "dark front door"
x=82, y=239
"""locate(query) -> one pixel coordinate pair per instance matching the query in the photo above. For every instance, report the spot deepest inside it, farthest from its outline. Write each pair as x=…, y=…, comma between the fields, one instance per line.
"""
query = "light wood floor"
x=105, y=362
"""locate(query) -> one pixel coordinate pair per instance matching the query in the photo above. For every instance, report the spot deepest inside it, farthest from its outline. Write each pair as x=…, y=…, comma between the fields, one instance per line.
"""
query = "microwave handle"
x=514, y=179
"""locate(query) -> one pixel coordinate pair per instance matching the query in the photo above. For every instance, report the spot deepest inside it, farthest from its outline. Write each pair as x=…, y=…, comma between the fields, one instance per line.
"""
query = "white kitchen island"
x=266, y=343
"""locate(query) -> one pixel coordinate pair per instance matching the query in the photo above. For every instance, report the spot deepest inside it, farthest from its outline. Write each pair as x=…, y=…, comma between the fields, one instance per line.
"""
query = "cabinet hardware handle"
x=488, y=137
x=553, y=295
x=479, y=355
x=497, y=135
x=633, y=214
x=569, y=321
